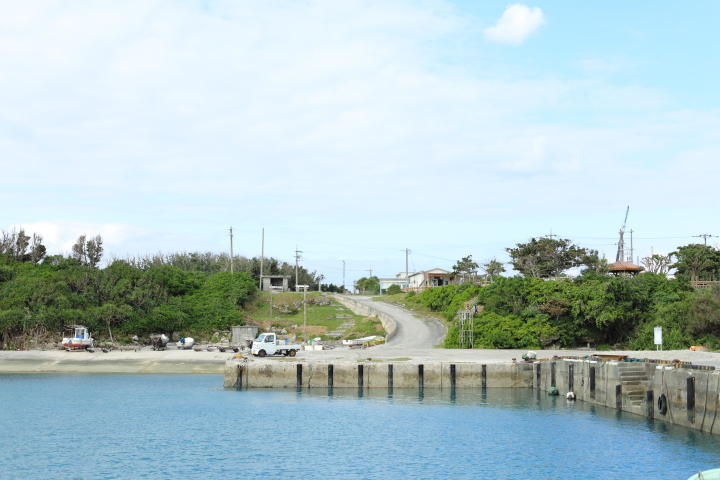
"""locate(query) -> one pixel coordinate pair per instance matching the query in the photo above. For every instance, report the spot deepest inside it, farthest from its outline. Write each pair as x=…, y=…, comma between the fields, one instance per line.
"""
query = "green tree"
x=493, y=267
x=547, y=257
x=368, y=285
x=464, y=266
x=696, y=261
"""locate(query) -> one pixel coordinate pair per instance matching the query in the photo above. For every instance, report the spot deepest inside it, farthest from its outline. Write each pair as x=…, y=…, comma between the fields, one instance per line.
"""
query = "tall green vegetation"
x=43, y=298
x=369, y=285
x=530, y=312
x=548, y=257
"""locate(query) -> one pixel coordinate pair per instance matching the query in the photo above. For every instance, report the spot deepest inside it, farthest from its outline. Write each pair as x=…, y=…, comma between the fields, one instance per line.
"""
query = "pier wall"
x=358, y=308
x=691, y=396
x=284, y=374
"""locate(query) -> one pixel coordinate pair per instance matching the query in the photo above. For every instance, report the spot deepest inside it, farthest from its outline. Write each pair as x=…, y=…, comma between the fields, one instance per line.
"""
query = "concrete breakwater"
x=281, y=374
x=387, y=321
x=674, y=393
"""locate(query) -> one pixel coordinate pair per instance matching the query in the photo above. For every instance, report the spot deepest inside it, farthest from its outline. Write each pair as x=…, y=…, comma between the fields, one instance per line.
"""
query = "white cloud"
x=517, y=23
x=194, y=116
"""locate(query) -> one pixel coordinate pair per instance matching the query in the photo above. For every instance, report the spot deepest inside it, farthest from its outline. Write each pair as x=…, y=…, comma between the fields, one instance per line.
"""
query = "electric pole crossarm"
x=705, y=236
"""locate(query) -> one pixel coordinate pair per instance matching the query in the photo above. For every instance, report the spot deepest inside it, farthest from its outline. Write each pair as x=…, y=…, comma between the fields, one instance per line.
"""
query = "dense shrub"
x=120, y=298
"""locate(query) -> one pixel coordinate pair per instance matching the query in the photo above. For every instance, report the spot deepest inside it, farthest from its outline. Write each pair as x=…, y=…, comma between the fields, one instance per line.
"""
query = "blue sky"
x=357, y=129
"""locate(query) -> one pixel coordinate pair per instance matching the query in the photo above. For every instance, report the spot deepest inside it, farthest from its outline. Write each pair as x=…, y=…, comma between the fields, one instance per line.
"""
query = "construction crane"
x=621, y=243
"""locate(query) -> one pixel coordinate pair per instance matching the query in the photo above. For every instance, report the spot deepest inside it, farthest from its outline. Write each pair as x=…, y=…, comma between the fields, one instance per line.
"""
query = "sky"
x=354, y=130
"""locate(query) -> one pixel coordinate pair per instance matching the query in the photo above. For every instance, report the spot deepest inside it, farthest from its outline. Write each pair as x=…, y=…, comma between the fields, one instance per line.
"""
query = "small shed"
x=278, y=283
x=243, y=333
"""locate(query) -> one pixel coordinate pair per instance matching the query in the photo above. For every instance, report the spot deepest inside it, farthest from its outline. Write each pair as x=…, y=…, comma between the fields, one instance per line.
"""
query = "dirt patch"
x=312, y=330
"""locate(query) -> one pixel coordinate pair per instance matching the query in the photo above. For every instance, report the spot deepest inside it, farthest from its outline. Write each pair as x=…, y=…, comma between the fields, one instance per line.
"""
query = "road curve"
x=413, y=331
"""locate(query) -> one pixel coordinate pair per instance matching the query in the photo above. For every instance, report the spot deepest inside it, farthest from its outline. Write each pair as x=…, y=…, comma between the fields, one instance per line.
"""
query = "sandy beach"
x=204, y=362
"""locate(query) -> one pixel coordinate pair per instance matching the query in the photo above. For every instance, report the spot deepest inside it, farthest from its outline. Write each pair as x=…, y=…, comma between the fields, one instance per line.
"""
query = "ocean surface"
x=188, y=426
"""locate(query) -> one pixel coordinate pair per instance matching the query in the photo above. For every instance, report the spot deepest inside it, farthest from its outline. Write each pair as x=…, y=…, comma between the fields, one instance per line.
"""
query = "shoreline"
x=192, y=362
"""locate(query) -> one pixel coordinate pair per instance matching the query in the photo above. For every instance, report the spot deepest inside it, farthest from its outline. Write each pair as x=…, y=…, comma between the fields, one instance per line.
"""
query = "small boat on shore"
x=81, y=340
x=185, y=343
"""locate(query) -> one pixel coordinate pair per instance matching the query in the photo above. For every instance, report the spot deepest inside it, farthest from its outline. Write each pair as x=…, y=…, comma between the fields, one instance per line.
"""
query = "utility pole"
x=407, y=274
x=370, y=270
x=343, y=276
x=632, y=250
x=262, y=257
x=705, y=236
x=297, y=258
x=231, y=252
x=551, y=235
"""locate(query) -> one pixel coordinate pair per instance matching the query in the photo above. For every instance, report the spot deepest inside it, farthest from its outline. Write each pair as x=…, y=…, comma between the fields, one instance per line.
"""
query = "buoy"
x=553, y=391
x=570, y=395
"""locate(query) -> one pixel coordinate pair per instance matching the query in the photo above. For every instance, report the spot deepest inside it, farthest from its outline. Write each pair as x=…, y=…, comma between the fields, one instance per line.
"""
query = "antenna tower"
x=621, y=243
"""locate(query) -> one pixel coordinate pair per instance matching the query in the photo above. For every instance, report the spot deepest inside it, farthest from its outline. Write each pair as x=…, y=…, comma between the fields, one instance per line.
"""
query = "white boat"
x=81, y=340
x=713, y=474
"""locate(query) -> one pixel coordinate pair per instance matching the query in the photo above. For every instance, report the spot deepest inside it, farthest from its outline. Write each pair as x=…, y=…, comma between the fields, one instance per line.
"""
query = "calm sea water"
x=188, y=426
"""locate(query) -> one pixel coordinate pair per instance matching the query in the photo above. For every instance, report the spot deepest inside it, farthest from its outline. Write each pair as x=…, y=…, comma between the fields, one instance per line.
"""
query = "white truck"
x=268, y=344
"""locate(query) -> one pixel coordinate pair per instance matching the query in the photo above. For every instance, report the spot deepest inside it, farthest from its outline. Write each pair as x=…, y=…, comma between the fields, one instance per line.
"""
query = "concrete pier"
x=241, y=374
x=675, y=393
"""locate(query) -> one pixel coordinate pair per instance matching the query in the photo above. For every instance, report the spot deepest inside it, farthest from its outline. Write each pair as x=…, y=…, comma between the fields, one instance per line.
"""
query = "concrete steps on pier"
x=633, y=378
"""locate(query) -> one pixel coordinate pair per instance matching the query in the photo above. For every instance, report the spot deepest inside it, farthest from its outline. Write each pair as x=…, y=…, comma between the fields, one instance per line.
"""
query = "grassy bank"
x=323, y=315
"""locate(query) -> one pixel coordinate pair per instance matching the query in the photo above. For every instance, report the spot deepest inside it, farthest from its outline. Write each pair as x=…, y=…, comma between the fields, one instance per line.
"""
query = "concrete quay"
x=681, y=394
x=672, y=393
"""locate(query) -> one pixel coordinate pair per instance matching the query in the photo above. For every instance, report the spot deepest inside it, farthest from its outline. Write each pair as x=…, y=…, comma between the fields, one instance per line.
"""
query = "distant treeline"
x=604, y=310
x=163, y=293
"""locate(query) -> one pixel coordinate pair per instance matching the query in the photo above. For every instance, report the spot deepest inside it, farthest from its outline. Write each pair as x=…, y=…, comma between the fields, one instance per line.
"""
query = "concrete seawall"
x=241, y=374
x=688, y=396
x=672, y=393
x=358, y=308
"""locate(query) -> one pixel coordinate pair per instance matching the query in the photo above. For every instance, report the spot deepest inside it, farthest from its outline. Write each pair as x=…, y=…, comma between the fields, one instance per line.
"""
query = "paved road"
x=413, y=330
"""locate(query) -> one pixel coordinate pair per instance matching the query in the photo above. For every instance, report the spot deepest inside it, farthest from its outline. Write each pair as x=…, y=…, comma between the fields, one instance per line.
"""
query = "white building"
x=435, y=277
x=399, y=280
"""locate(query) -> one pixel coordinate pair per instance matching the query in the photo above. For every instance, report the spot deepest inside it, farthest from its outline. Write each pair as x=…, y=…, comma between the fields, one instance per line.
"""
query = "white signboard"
x=658, y=335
